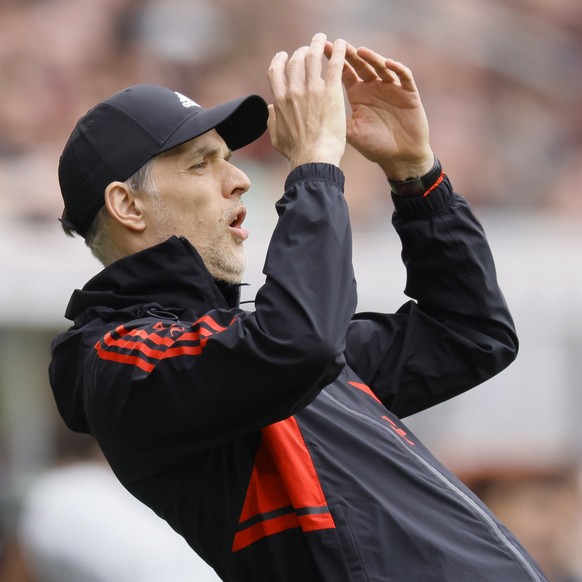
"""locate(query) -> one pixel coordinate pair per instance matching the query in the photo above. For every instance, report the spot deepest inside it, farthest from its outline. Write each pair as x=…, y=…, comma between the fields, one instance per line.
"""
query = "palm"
x=387, y=122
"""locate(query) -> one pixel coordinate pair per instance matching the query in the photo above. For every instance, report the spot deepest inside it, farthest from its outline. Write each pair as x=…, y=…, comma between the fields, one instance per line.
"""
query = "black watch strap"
x=419, y=186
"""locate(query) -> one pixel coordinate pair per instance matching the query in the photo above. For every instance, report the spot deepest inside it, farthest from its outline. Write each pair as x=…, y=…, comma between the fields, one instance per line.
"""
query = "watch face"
x=408, y=188
x=418, y=186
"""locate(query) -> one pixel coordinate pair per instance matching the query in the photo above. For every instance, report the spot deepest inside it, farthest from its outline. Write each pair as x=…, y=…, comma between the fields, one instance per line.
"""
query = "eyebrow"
x=207, y=151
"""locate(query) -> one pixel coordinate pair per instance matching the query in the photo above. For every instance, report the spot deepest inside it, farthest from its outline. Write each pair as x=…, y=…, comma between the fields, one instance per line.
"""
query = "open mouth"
x=236, y=224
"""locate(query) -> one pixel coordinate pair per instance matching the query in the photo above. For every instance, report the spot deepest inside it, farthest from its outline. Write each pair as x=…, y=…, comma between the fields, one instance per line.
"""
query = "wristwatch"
x=420, y=186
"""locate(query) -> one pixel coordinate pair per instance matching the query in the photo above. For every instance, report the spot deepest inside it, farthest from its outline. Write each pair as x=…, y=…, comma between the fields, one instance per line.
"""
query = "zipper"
x=461, y=495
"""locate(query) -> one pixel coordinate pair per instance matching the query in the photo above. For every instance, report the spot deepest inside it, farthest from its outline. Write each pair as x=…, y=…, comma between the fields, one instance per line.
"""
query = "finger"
x=378, y=63
x=314, y=58
x=403, y=73
x=272, y=122
x=276, y=75
x=364, y=70
x=349, y=76
x=328, y=48
x=272, y=119
x=337, y=62
x=295, y=70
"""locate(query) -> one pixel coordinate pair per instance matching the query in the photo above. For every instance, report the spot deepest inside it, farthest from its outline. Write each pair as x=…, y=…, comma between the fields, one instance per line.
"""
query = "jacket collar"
x=170, y=275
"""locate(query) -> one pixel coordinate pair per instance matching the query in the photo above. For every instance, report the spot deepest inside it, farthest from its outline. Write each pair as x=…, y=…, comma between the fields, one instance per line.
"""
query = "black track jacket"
x=272, y=440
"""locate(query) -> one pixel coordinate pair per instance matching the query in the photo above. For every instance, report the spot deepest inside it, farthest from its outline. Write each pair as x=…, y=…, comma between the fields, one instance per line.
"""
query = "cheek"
x=205, y=223
x=191, y=211
x=197, y=205
x=202, y=202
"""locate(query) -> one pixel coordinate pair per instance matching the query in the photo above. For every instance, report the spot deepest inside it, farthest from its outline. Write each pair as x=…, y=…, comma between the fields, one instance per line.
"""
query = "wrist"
x=314, y=159
x=406, y=170
x=421, y=185
x=329, y=152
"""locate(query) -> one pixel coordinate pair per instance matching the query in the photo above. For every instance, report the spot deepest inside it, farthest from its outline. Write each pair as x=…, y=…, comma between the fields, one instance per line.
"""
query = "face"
x=200, y=199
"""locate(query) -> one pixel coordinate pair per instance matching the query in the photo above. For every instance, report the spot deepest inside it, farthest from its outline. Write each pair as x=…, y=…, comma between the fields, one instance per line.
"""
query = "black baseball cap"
x=119, y=135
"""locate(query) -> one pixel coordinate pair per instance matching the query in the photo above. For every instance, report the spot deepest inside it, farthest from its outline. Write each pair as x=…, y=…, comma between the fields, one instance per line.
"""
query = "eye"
x=199, y=166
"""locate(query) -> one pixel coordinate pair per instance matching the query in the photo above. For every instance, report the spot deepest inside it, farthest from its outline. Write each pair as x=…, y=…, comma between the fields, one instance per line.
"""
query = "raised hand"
x=307, y=120
x=388, y=124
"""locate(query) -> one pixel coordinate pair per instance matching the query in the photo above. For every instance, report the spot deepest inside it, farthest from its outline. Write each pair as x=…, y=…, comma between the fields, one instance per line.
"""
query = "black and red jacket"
x=272, y=440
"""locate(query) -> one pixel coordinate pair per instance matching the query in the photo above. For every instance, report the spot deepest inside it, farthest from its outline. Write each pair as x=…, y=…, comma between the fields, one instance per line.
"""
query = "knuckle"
x=294, y=93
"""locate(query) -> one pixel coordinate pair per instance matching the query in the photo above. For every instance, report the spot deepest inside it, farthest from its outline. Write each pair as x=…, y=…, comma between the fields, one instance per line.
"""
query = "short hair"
x=97, y=237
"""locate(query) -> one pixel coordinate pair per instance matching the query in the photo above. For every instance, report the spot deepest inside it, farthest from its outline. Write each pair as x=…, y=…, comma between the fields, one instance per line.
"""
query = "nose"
x=236, y=183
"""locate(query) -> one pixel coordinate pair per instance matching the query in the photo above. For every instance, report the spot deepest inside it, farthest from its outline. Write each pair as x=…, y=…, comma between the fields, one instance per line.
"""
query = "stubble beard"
x=223, y=255
x=221, y=261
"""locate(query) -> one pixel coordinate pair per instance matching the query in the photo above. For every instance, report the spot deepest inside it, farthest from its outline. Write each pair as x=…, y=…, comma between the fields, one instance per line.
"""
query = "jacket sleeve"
x=234, y=372
x=457, y=332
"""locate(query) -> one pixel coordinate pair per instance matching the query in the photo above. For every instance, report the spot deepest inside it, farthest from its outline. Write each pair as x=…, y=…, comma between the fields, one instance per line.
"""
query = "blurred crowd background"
x=501, y=81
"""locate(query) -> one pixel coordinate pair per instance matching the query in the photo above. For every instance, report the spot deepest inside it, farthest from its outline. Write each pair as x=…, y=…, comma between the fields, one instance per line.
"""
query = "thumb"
x=271, y=121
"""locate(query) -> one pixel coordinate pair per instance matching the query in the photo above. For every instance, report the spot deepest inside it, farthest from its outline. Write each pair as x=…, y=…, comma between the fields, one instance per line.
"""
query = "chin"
x=231, y=273
x=230, y=278
x=225, y=264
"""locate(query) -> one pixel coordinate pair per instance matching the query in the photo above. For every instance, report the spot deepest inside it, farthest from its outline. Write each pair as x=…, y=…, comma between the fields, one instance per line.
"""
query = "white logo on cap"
x=186, y=101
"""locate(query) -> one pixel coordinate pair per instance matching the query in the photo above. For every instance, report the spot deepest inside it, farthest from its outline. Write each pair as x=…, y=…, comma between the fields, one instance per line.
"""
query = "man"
x=272, y=440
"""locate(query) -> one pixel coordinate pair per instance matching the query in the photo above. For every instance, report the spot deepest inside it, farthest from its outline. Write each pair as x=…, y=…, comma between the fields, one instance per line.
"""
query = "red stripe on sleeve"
x=153, y=353
x=211, y=323
x=123, y=358
x=144, y=349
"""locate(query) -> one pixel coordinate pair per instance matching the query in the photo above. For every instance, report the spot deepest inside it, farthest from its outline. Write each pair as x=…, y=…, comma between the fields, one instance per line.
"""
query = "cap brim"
x=239, y=123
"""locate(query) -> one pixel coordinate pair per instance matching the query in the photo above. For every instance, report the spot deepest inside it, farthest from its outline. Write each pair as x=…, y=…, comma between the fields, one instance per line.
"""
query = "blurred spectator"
x=501, y=81
x=543, y=508
x=78, y=524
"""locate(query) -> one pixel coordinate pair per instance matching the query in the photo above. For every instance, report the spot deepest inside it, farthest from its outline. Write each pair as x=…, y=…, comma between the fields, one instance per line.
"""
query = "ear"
x=125, y=207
